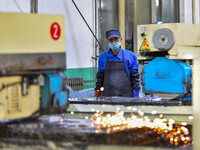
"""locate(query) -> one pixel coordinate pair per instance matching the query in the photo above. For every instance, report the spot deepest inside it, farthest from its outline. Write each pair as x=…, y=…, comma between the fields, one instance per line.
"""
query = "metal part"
x=25, y=86
x=167, y=96
x=121, y=11
x=53, y=94
x=41, y=80
x=127, y=101
x=196, y=103
x=24, y=51
x=166, y=76
x=96, y=49
x=14, y=103
x=163, y=39
x=75, y=83
x=34, y=6
x=31, y=63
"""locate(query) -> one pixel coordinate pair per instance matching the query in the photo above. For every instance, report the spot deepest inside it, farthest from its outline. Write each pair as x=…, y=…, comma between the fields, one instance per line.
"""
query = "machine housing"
x=167, y=50
x=32, y=53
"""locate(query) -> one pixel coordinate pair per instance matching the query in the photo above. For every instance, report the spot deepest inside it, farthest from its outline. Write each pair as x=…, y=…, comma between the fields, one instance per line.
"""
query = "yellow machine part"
x=31, y=33
x=13, y=105
x=186, y=39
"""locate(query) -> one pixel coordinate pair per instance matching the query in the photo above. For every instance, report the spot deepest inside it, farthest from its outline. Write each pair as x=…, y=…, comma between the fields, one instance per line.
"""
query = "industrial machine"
x=165, y=54
x=34, y=86
x=167, y=51
x=32, y=53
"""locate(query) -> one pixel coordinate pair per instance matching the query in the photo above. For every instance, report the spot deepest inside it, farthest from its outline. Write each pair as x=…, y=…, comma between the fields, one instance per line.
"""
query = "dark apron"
x=116, y=79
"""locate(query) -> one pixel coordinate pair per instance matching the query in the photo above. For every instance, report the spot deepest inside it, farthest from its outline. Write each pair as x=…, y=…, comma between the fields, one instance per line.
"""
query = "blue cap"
x=113, y=33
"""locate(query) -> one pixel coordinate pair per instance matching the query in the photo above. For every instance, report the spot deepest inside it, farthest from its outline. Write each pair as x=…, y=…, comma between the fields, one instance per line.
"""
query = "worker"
x=117, y=69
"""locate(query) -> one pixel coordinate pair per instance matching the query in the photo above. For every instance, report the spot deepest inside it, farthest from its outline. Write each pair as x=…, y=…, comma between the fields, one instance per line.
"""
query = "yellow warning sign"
x=145, y=46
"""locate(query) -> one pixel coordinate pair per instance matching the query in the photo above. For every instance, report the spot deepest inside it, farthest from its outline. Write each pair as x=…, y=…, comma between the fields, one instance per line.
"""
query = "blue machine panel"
x=52, y=93
x=164, y=75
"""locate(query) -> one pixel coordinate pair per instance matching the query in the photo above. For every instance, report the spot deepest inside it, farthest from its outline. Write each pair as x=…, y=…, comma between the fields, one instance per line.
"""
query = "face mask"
x=114, y=46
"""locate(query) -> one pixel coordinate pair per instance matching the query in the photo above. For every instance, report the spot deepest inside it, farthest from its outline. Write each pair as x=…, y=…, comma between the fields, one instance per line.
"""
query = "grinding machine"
x=32, y=53
x=165, y=54
x=167, y=50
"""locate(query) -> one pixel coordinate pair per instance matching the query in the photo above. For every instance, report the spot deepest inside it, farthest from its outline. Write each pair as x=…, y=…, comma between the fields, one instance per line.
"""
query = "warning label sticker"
x=145, y=45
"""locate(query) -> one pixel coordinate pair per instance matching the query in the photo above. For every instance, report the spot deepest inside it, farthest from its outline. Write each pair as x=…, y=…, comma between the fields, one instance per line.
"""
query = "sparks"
x=176, y=134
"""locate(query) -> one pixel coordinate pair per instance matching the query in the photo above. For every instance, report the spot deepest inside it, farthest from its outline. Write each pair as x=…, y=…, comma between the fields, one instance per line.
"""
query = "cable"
x=18, y=6
x=87, y=25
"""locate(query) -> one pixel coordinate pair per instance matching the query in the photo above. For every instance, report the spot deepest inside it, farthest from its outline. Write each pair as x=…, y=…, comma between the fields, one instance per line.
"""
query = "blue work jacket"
x=130, y=60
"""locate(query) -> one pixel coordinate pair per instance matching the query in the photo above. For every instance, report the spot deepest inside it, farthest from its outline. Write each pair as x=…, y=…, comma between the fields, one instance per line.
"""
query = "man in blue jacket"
x=117, y=69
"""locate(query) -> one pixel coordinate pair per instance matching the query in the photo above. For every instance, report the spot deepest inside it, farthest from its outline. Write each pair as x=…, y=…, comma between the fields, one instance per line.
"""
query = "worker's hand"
x=136, y=93
x=97, y=93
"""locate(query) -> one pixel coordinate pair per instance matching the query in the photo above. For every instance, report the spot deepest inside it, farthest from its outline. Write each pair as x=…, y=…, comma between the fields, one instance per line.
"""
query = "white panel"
x=16, y=6
x=79, y=40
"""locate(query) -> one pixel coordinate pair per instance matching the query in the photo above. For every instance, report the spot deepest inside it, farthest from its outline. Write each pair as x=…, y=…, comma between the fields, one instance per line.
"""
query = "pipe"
x=135, y=27
x=153, y=11
x=18, y=6
x=96, y=34
x=121, y=11
x=195, y=11
x=34, y=6
x=196, y=104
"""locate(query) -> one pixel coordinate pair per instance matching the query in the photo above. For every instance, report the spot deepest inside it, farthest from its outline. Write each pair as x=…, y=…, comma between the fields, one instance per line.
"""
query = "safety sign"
x=145, y=46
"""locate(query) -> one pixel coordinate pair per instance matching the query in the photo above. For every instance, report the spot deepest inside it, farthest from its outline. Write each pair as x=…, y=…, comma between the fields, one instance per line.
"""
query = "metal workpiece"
x=126, y=101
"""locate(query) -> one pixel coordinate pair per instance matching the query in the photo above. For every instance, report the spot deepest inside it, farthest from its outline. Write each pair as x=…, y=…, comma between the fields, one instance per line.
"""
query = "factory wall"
x=79, y=40
x=17, y=6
